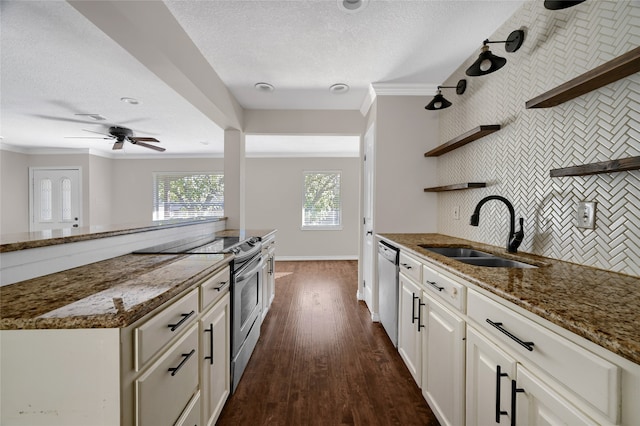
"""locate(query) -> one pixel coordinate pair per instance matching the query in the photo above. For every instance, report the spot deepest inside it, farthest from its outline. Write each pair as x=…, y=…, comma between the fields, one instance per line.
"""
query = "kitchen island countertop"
x=112, y=293
x=601, y=306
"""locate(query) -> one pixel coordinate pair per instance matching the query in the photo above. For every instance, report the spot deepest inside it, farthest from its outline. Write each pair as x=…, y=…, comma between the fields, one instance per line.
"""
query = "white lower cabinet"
x=443, y=348
x=410, y=326
x=215, y=360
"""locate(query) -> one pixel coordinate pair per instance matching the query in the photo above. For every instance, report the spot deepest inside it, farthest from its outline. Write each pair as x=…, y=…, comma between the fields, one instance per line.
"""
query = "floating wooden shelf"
x=621, y=165
x=456, y=187
x=617, y=68
x=464, y=139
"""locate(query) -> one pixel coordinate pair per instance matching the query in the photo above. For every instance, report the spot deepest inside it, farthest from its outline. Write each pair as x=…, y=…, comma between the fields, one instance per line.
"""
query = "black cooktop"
x=202, y=245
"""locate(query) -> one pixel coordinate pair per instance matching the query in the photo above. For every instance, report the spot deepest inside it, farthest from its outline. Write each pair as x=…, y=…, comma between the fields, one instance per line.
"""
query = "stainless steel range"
x=246, y=294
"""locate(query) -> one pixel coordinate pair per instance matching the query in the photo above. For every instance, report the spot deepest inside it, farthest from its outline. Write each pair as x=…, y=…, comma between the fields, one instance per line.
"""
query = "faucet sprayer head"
x=475, y=219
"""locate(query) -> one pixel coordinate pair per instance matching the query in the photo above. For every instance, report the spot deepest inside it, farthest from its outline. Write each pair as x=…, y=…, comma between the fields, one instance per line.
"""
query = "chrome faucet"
x=515, y=238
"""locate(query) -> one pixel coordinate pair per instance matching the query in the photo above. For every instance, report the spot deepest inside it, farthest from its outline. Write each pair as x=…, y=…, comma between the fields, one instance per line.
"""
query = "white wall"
x=132, y=187
x=14, y=192
x=274, y=200
x=100, y=190
x=404, y=132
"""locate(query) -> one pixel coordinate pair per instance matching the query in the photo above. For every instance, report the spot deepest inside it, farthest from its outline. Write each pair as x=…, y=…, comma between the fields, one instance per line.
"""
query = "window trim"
x=337, y=227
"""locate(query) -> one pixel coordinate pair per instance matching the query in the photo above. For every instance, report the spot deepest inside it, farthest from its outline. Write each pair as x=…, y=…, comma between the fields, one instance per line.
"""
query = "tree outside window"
x=188, y=195
x=322, y=207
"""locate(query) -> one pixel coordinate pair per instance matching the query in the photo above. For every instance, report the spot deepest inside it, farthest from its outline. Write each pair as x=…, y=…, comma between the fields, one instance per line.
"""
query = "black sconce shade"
x=487, y=62
x=560, y=4
x=439, y=102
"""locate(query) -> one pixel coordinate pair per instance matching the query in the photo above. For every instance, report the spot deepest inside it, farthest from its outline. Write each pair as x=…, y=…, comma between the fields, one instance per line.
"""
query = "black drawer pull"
x=174, y=370
x=499, y=376
x=435, y=284
x=175, y=326
x=498, y=325
x=406, y=265
x=210, y=357
x=222, y=285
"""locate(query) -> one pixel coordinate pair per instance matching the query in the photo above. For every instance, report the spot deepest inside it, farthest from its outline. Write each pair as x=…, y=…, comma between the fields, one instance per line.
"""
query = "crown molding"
x=404, y=89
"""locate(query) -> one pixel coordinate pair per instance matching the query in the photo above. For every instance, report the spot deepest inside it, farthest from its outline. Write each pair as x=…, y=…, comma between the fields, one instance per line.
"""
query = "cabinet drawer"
x=164, y=391
x=592, y=379
x=214, y=288
x=411, y=267
x=159, y=330
x=444, y=288
x=191, y=415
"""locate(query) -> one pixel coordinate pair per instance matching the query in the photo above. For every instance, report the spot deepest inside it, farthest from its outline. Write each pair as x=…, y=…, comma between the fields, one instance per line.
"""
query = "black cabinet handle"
x=435, y=284
x=406, y=265
x=210, y=357
x=175, y=326
x=413, y=309
x=498, y=325
x=174, y=370
x=514, y=392
x=222, y=285
x=499, y=376
x=420, y=305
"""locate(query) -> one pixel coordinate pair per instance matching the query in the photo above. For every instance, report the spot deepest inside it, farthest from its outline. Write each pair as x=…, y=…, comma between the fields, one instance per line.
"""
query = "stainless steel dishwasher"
x=388, y=289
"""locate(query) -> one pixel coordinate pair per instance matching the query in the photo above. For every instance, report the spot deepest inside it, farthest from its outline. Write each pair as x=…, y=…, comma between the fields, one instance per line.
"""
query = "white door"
x=443, y=363
x=55, y=199
x=489, y=375
x=370, y=291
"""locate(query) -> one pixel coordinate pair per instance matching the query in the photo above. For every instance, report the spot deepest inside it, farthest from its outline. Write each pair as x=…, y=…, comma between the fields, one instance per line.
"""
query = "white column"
x=234, y=178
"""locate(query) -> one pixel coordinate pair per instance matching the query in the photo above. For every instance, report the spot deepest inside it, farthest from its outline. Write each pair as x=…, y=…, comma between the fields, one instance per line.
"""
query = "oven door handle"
x=247, y=274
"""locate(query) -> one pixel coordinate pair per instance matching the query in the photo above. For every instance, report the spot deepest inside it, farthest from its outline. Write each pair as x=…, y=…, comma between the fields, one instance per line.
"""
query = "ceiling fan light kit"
x=487, y=62
x=439, y=102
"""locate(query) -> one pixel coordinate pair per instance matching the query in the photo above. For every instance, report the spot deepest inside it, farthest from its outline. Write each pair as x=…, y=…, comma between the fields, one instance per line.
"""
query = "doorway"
x=55, y=198
x=370, y=288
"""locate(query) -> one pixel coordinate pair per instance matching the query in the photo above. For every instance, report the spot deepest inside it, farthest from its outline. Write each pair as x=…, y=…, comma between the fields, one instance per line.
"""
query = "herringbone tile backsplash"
x=515, y=161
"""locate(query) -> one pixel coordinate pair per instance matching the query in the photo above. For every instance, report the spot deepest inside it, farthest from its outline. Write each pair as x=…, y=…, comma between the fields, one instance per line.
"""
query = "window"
x=321, y=204
x=187, y=195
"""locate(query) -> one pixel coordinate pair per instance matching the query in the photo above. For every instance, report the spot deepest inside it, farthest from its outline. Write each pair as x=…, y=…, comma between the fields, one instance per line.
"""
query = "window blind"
x=187, y=195
x=322, y=204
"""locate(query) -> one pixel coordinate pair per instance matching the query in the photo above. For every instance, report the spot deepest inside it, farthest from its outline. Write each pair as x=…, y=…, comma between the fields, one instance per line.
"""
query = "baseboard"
x=303, y=258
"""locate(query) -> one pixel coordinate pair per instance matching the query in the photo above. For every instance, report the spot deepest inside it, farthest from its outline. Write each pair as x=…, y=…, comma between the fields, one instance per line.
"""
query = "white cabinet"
x=215, y=359
x=443, y=366
x=488, y=386
x=268, y=274
x=410, y=326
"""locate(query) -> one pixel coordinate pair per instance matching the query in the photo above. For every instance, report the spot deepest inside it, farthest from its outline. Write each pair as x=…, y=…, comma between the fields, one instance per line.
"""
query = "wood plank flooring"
x=321, y=360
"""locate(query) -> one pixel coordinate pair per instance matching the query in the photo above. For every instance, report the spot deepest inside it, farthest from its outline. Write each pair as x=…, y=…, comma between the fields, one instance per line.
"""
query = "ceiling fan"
x=122, y=134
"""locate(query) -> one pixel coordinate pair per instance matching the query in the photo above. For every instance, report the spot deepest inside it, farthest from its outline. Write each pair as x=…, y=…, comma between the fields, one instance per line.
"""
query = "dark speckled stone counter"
x=112, y=293
x=601, y=306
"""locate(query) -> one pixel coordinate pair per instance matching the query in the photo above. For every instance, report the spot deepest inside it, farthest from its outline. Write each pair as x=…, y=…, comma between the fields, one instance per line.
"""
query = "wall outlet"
x=456, y=213
x=586, y=215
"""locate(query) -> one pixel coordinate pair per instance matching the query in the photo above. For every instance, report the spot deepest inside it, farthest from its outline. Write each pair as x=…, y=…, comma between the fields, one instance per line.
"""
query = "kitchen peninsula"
x=110, y=329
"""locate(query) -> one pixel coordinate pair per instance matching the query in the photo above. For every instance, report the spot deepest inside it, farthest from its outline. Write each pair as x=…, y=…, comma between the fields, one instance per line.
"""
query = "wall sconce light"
x=439, y=102
x=487, y=62
x=560, y=4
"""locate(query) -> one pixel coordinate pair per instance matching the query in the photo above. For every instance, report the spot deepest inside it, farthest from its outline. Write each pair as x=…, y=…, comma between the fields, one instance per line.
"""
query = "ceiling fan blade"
x=84, y=137
x=118, y=145
x=146, y=145
x=139, y=139
x=98, y=133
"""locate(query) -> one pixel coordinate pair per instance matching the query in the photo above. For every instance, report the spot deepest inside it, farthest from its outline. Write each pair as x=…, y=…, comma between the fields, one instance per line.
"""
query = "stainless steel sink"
x=494, y=262
x=455, y=251
x=476, y=257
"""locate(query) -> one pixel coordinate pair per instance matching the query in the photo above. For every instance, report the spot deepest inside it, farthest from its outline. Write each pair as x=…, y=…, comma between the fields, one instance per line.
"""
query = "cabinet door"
x=410, y=327
x=538, y=404
x=272, y=275
x=265, y=289
x=216, y=359
x=489, y=375
x=443, y=362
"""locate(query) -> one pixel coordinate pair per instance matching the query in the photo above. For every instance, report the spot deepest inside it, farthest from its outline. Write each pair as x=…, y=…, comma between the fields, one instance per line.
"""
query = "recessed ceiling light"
x=352, y=6
x=96, y=117
x=131, y=101
x=264, y=87
x=339, y=88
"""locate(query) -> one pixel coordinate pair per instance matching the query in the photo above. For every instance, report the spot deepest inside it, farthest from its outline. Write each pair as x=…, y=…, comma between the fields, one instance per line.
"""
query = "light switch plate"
x=456, y=213
x=586, y=215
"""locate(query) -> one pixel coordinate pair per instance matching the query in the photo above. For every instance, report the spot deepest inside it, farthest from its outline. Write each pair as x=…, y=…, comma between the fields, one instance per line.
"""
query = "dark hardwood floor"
x=321, y=361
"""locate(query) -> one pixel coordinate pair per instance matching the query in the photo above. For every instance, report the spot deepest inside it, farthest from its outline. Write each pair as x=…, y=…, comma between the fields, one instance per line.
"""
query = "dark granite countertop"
x=112, y=293
x=601, y=306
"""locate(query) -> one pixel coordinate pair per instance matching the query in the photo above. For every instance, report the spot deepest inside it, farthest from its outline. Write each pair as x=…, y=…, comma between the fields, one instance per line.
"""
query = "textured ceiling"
x=56, y=63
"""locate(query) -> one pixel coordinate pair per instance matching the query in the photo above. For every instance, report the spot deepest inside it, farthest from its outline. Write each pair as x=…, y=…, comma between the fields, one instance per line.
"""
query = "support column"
x=234, y=178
